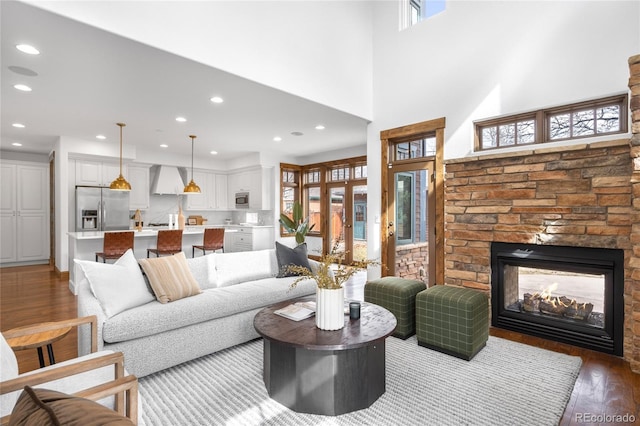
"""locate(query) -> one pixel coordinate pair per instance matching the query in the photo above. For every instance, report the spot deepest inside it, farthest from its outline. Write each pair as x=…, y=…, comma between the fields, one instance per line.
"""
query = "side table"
x=38, y=340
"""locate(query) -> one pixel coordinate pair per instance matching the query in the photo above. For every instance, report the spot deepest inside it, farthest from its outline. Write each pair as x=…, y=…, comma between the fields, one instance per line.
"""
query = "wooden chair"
x=95, y=376
x=115, y=245
x=169, y=242
x=213, y=240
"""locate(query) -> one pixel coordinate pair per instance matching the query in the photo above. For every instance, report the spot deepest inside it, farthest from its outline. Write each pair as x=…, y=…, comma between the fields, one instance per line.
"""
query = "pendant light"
x=120, y=184
x=192, y=188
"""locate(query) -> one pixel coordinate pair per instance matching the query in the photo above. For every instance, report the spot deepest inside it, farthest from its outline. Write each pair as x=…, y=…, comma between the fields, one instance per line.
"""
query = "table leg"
x=40, y=357
x=50, y=351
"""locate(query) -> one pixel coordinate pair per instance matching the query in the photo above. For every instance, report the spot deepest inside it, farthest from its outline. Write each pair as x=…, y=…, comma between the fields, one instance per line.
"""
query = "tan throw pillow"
x=170, y=277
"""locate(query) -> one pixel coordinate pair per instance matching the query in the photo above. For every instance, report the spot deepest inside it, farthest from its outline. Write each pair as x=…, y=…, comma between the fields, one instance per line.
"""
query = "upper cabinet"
x=96, y=173
x=257, y=182
x=213, y=192
x=138, y=177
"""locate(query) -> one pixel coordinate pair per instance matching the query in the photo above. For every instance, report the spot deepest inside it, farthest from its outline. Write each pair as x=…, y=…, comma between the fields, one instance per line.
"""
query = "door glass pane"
x=411, y=224
x=336, y=220
x=313, y=207
x=360, y=222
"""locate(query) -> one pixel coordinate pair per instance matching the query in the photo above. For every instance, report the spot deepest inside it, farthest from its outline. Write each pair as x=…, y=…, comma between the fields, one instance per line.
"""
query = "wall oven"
x=242, y=200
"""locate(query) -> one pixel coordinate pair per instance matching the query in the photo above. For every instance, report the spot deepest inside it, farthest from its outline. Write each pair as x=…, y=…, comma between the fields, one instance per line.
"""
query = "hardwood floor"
x=605, y=387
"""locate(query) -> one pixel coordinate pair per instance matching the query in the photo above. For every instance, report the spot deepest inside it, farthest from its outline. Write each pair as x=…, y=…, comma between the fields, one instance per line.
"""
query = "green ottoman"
x=453, y=320
x=398, y=296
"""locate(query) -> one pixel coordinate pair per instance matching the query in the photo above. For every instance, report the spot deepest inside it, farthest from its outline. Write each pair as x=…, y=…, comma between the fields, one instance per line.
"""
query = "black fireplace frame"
x=609, y=262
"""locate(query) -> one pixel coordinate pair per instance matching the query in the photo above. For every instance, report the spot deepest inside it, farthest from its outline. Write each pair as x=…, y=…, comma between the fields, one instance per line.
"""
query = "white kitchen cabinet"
x=97, y=173
x=257, y=182
x=213, y=192
x=222, y=200
x=248, y=238
x=140, y=183
x=24, y=231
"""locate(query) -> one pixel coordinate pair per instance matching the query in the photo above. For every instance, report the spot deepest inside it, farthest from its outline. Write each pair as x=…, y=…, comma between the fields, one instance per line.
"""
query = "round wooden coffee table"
x=316, y=371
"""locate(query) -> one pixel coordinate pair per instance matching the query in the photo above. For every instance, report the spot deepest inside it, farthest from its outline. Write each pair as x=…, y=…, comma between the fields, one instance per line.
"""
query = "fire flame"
x=545, y=295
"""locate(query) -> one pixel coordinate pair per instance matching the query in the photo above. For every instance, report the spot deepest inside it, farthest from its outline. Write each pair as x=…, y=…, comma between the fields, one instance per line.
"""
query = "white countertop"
x=153, y=231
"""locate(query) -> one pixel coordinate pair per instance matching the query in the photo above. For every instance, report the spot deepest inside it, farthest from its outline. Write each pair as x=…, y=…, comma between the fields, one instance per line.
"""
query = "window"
x=414, y=11
x=306, y=184
x=289, y=189
x=420, y=148
x=585, y=119
x=313, y=199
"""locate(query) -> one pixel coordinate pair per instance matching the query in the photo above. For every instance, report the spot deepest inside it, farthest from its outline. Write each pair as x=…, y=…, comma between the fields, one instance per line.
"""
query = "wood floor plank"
x=33, y=294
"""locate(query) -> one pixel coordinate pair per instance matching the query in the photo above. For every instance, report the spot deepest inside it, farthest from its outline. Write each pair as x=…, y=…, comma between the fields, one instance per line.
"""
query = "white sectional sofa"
x=154, y=336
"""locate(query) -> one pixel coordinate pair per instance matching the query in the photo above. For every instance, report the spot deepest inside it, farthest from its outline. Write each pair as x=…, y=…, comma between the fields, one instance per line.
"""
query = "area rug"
x=507, y=383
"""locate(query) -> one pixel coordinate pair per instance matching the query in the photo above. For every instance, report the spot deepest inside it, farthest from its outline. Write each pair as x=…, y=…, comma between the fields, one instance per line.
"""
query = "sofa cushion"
x=118, y=286
x=234, y=268
x=287, y=256
x=170, y=277
x=49, y=407
x=204, y=271
x=154, y=318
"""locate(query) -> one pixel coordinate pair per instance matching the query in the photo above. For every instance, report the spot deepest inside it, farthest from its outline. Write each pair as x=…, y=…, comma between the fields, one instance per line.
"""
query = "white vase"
x=330, y=308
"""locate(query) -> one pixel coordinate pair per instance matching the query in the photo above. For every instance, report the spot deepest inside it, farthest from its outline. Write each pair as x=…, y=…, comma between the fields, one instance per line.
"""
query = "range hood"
x=167, y=180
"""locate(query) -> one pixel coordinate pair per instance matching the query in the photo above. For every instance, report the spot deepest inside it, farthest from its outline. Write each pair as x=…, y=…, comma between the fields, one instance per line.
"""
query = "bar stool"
x=115, y=245
x=213, y=240
x=169, y=242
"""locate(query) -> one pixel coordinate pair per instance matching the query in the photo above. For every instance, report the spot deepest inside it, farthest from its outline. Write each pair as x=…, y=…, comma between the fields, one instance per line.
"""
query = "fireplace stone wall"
x=584, y=195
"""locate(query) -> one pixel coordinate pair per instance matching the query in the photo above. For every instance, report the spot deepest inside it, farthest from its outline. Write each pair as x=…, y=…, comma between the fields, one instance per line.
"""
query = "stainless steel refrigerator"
x=101, y=209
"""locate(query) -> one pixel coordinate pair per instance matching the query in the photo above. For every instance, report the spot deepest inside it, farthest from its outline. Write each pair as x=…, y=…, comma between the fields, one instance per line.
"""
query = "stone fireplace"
x=585, y=195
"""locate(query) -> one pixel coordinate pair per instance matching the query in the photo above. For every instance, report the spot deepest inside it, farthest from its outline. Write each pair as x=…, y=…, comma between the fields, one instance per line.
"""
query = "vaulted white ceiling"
x=89, y=79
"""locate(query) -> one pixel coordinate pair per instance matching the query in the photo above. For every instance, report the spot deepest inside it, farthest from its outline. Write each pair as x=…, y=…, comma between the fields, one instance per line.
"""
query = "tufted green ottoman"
x=398, y=296
x=453, y=320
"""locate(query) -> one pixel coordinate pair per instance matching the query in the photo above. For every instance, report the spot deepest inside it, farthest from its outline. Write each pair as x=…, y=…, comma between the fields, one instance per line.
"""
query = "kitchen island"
x=84, y=245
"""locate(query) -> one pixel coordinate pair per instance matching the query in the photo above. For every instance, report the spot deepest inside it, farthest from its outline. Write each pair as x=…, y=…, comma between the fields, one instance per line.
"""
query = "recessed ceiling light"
x=217, y=100
x=277, y=139
x=164, y=145
x=18, y=125
x=22, y=71
x=101, y=137
x=22, y=87
x=319, y=127
x=16, y=144
x=28, y=49
x=181, y=119
x=297, y=133
x=214, y=153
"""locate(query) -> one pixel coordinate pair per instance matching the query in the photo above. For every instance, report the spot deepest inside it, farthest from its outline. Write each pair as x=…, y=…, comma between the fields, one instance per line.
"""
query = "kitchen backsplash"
x=161, y=206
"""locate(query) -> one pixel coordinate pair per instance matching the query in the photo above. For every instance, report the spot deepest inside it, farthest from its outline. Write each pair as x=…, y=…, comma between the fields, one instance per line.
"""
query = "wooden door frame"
x=405, y=133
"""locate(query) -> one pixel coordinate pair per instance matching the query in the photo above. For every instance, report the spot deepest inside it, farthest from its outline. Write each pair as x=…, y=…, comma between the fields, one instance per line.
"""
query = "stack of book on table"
x=297, y=311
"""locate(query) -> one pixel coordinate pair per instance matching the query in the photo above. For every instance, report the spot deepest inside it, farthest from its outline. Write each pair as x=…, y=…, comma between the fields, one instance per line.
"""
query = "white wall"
x=318, y=50
x=480, y=59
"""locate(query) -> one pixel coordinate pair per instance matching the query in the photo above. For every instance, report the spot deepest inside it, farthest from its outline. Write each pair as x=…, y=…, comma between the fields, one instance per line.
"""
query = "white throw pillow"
x=204, y=271
x=118, y=286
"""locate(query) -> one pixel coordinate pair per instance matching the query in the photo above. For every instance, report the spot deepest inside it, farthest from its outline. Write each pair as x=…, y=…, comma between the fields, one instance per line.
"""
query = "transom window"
x=585, y=119
x=420, y=148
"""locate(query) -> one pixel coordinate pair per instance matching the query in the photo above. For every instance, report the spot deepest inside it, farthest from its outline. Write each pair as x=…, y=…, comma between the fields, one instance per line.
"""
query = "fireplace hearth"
x=568, y=294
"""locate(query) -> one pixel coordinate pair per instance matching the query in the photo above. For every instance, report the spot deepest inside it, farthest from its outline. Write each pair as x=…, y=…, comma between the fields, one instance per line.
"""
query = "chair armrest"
x=116, y=359
x=127, y=384
x=48, y=326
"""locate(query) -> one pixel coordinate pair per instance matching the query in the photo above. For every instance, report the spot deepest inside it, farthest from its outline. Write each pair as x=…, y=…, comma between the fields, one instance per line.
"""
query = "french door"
x=411, y=218
x=347, y=213
x=412, y=200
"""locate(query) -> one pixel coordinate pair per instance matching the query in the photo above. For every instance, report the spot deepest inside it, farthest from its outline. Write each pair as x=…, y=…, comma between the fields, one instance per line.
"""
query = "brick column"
x=632, y=313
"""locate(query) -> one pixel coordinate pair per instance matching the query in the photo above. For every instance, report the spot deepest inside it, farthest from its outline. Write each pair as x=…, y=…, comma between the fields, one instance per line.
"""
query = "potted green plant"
x=296, y=224
x=329, y=275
